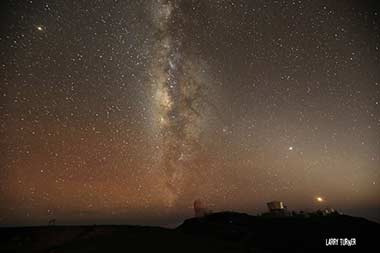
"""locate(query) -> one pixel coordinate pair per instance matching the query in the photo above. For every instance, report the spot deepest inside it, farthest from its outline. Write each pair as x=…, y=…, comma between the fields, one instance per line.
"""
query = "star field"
x=128, y=111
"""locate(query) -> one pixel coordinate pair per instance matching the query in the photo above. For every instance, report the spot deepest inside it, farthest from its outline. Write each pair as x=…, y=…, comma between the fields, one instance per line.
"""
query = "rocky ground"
x=218, y=232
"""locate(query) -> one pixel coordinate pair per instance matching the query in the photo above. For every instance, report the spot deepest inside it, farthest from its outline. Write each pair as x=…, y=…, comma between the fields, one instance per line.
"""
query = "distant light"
x=290, y=148
x=320, y=199
x=39, y=28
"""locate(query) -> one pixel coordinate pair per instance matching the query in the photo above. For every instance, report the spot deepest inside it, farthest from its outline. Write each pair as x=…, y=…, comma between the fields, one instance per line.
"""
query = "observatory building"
x=200, y=209
x=276, y=206
x=277, y=209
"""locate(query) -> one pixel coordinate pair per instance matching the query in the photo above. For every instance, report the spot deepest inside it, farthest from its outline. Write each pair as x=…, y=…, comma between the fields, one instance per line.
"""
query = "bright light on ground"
x=320, y=199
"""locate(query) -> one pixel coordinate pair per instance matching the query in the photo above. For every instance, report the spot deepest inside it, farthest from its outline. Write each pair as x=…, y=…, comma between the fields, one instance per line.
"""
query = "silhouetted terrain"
x=218, y=232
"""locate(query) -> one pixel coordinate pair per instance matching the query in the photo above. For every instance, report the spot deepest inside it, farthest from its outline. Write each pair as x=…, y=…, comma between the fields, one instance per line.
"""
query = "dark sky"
x=128, y=111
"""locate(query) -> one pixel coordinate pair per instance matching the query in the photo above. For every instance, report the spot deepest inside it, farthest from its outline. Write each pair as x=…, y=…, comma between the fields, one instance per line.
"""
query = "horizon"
x=176, y=220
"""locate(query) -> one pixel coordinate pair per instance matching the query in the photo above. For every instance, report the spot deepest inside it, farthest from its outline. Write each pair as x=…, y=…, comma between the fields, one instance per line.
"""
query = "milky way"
x=178, y=96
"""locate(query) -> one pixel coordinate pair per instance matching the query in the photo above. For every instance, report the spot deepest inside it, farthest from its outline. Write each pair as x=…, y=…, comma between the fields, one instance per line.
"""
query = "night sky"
x=128, y=111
